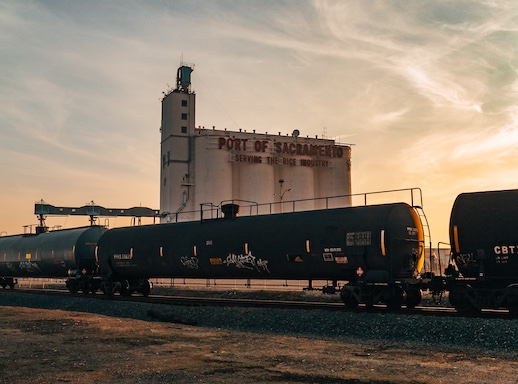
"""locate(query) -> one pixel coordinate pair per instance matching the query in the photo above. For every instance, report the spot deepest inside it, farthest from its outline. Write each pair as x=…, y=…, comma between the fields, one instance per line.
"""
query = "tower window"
x=184, y=129
x=184, y=103
x=184, y=116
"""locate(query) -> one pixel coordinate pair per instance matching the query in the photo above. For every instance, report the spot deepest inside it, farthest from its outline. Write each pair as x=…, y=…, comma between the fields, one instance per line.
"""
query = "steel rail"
x=278, y=304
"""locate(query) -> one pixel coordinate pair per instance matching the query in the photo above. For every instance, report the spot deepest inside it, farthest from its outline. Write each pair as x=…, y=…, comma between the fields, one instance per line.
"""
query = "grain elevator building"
x=205, y=168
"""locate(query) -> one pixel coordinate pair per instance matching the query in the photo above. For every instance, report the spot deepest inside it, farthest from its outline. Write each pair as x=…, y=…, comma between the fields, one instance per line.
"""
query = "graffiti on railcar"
x=247, y=261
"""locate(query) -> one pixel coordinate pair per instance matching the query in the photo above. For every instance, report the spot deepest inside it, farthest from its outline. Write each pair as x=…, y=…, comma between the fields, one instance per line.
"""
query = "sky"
x=427, y=91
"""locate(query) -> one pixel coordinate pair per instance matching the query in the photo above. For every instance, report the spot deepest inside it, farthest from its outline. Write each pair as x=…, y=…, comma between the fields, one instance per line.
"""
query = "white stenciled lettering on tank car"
x=411, y=231
x=505, y=249
x=358, y=238
x=337, y=249
x=502, y=253
x=123, y=256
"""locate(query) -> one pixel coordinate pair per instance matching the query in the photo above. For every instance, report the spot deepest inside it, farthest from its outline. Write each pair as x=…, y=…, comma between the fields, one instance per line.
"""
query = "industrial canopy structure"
x=43, y=209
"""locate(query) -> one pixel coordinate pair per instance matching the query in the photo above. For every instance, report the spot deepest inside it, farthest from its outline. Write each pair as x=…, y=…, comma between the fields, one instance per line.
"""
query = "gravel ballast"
x=488, y=337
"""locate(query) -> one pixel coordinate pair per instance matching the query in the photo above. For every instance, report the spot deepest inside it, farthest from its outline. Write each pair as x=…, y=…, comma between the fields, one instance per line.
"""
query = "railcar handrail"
x=209, y=211
x=439, y=254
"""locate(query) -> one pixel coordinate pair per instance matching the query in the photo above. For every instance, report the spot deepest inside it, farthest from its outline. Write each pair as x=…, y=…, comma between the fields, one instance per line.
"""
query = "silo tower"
x=177, y=170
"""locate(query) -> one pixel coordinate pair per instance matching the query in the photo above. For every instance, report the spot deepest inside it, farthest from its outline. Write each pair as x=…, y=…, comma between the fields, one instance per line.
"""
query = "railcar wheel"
x=461, y=297
x=413, y=297
x=348, y=298
x=125, y=288
x=352, y=302
x=146, y=288
x=72, y=289
x=109, y=288
x=394, y=297
x=511, y=293
x=94, y=287
x=369, y=302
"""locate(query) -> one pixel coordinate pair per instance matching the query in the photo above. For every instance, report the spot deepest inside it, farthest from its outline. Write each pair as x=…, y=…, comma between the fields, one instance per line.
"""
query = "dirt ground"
x=54, y=346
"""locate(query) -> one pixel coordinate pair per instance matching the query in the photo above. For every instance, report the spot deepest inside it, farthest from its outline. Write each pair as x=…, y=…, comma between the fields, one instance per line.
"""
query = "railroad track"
x=269, y=303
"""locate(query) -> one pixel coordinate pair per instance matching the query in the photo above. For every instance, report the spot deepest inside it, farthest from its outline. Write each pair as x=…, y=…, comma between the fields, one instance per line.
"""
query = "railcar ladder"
x=427, y=236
